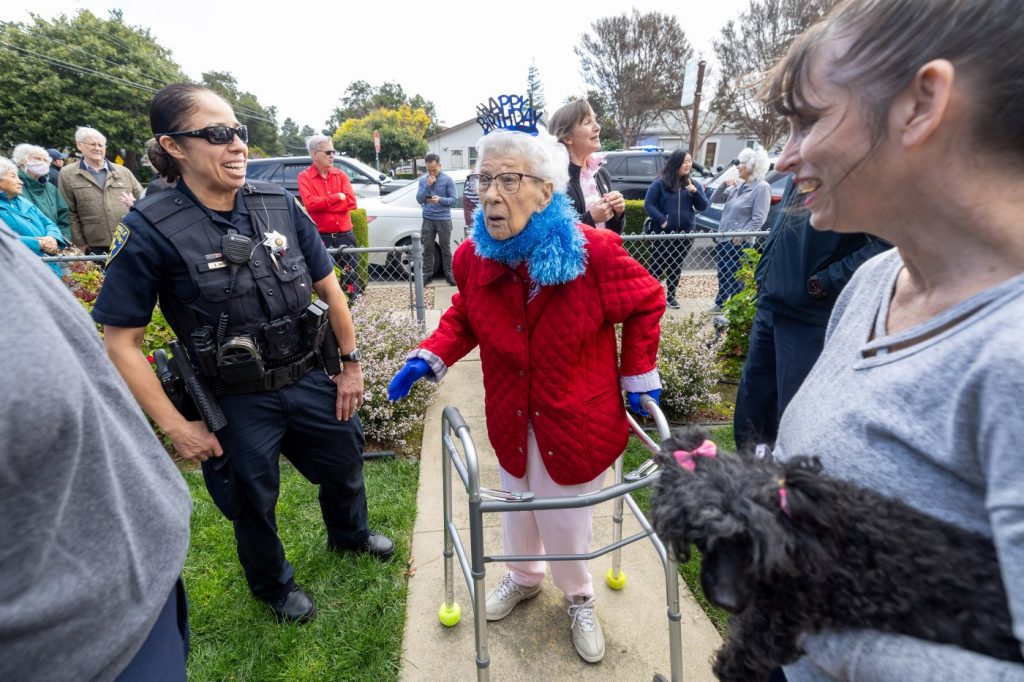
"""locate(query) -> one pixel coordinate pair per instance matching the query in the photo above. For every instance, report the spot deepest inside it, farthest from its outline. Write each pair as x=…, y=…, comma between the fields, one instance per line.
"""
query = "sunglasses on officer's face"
x=214, y=134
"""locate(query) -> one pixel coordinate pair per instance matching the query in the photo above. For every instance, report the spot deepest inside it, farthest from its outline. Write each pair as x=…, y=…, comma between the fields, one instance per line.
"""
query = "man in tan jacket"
x=98, y=193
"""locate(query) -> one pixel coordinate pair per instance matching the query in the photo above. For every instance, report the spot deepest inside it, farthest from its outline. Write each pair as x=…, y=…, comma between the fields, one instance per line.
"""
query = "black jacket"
x=604, y=185
x=794, y=252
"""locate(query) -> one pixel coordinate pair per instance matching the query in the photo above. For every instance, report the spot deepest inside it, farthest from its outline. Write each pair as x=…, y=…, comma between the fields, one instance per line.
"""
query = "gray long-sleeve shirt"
x=933, y=416
x=746, y=206
x=444, y=189
x=94, y=514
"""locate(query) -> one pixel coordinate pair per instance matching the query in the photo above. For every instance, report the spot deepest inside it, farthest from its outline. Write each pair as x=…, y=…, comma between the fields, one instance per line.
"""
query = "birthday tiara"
x=508, y=112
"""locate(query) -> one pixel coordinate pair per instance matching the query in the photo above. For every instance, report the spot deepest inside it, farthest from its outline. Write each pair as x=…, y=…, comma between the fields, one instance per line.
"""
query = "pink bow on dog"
x=687, y=458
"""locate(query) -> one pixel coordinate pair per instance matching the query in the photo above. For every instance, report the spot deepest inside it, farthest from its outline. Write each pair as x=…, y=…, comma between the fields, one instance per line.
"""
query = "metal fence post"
x=417, y=278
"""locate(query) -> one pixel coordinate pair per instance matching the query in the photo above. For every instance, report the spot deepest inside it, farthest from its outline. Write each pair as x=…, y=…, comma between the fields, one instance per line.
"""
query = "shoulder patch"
x=121, y=234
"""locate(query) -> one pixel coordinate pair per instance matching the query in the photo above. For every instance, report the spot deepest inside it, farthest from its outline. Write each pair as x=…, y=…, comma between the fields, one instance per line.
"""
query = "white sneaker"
x=587, y=636
x=506, y=595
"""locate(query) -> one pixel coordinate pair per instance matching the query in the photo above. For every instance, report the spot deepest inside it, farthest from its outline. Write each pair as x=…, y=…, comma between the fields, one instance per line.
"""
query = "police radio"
x=237, y=248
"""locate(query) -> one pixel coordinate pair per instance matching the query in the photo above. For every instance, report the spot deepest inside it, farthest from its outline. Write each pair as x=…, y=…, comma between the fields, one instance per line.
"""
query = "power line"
x=116, y=79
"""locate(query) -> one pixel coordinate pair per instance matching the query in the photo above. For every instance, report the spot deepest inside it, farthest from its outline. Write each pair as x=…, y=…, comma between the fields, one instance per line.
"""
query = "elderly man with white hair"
x=34, y=171
x=98, y=193
x=329, y=199
x=540, y=293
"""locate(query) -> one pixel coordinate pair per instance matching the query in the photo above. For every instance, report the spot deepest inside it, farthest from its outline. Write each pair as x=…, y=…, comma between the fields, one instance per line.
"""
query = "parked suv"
x=634, y=170
x=284, y=171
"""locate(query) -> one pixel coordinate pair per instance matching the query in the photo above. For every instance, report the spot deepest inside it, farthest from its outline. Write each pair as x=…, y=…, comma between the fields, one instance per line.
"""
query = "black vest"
x=263, y=292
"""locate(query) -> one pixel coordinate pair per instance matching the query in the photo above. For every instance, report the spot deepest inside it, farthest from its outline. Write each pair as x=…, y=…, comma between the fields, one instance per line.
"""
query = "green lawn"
x=358, y=633
x=690, y=571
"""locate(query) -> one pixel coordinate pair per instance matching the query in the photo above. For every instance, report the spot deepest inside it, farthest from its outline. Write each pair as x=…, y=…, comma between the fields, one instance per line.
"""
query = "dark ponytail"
x=168, y=111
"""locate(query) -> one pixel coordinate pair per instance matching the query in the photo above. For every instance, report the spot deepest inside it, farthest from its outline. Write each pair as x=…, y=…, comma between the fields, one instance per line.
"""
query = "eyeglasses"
x=328, y=152
x=214, y=134
x=508, y=183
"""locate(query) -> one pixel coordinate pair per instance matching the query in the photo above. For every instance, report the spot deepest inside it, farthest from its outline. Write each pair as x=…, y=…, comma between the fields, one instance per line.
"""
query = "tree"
x=361, y=98
x=401, y=135
x=534, y=89
x=261, y=121
x=84, y=70
x=746, y=50
x=635, y=60
x=294, y=140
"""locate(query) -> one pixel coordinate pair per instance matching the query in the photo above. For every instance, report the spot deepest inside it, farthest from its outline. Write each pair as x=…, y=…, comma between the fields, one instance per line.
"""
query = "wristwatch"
x=354, y=356
x=814, y=287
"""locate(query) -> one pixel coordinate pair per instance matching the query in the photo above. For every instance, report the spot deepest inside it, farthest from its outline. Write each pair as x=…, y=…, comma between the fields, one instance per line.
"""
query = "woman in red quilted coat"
x=540, y=294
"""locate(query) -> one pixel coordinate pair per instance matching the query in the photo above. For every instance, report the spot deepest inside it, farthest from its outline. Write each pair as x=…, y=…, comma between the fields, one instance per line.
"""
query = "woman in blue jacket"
x=37, y=232
x=671, y=204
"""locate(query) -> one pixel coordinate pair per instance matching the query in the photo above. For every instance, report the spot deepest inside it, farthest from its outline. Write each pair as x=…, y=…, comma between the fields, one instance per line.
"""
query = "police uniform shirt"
x=146, y=264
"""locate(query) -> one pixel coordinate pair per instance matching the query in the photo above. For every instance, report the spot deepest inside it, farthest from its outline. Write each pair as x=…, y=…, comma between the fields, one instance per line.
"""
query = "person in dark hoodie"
x=799, y=277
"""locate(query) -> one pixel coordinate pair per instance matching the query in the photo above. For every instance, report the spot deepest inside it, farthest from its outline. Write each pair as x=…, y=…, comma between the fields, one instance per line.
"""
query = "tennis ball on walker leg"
x=449, y=615
x=616, y=582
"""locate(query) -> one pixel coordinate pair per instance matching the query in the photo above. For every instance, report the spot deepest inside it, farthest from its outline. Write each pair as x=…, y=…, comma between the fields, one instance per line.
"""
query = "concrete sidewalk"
x=534, y=642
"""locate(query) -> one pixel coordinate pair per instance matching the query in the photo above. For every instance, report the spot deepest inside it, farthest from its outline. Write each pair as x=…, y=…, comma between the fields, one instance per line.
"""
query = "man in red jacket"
x=329, y=199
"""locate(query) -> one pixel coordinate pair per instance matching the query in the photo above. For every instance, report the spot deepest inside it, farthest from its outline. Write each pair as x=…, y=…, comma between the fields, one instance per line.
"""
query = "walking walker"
x=485, y=501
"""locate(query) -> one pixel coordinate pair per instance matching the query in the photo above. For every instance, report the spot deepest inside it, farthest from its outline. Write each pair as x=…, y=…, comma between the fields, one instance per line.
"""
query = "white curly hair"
x=756, y=161
x=545, y=156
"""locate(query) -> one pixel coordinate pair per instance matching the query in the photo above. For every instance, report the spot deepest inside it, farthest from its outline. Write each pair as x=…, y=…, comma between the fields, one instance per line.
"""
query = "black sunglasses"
x=329, y=152
x=214, y=134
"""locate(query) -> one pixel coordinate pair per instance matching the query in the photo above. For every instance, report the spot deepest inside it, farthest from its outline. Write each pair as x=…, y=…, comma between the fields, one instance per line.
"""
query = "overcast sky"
x=300, y=56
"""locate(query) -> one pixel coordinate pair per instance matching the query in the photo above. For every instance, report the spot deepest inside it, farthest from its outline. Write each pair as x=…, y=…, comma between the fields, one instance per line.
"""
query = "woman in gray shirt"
x=746, y=209
x=917, y=393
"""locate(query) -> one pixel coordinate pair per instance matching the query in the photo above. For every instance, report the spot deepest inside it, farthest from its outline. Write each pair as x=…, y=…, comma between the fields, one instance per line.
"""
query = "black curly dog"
x=788, y=550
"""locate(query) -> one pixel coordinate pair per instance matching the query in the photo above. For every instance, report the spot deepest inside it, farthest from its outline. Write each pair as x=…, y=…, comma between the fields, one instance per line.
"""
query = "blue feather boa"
x=551, y=245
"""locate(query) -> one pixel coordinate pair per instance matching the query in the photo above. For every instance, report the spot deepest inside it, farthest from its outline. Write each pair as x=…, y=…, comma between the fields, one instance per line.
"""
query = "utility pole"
x=696, y=109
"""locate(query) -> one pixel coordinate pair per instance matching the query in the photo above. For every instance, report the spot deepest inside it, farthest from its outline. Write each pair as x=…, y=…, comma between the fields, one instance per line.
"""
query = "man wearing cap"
x=98, y=193
x=56, y=163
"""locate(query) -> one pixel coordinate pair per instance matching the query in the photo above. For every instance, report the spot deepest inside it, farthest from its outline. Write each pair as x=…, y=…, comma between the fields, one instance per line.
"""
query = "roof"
x=452, y=129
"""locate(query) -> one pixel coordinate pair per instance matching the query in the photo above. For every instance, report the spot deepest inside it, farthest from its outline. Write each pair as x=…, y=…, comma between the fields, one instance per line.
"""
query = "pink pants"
x=553, y=531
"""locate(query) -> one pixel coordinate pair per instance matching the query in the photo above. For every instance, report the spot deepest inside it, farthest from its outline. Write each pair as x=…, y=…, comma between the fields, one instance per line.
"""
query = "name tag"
x=212, y=265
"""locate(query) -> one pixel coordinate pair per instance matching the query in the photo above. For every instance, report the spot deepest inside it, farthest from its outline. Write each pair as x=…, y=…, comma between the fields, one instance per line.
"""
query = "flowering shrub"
x=688, y=364
x=739, y=311
x=384, y=341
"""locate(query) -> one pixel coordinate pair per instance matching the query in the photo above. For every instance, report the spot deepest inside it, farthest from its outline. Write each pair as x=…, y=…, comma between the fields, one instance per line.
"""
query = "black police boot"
x=294, y=607
x=380, y=546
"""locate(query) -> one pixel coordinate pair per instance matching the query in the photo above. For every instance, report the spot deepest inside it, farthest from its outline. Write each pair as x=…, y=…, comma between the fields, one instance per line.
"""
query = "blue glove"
x=413, y=371
x=634, y=401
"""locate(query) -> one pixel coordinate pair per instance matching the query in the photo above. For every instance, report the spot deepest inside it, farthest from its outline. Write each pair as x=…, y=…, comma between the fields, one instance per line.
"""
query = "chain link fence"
x=698, y=270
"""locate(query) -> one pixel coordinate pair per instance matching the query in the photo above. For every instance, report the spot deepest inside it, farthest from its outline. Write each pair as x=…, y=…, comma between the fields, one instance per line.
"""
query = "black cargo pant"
x=299, y=422
x=348, y=262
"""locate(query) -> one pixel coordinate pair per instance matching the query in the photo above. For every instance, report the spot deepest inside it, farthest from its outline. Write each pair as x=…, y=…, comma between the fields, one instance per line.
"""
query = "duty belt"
x=274, y=379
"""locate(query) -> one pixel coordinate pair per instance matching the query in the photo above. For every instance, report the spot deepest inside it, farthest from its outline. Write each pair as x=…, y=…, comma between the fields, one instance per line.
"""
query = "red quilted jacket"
x=552, y=361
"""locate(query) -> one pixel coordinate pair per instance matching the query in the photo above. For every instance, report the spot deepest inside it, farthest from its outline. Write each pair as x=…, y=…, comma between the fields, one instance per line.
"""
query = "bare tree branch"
x=746, y=50
x=635, y=61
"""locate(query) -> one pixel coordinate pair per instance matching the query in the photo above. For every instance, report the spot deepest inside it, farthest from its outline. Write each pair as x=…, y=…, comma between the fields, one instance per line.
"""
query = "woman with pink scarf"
x=590, y=186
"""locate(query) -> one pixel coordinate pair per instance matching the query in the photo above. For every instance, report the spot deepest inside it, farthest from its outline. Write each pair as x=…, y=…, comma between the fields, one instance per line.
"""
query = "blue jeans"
x=727, y=255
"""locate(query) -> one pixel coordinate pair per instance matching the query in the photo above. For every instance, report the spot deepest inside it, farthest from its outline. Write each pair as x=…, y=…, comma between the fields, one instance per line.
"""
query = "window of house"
x=456, y=160
x=710, y=149
x=472, y=157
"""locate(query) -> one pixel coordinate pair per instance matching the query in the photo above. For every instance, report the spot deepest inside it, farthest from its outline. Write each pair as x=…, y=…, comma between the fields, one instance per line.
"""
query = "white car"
x=395, y=219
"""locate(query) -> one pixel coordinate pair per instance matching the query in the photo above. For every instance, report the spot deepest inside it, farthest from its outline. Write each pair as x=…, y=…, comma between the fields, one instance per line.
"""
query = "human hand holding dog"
x=414, y=370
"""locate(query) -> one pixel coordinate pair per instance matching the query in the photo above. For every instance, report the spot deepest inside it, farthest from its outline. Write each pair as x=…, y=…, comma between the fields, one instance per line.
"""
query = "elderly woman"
x=671, y=204
x=541, y=295
x=746, y=208
x=917, y=391
x=590, y=186
x=34, y=170
x=37, y=232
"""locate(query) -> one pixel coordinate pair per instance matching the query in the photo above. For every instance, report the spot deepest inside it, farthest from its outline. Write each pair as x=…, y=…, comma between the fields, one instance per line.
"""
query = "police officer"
x=234, y=264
